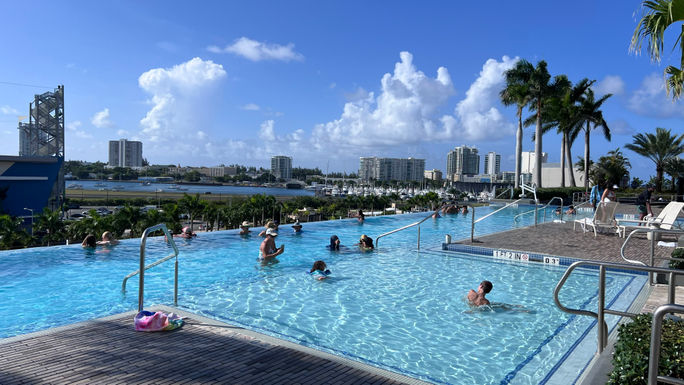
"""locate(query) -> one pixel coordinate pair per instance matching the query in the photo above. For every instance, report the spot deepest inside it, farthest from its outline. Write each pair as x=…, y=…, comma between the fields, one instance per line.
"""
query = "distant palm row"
x=573, y=109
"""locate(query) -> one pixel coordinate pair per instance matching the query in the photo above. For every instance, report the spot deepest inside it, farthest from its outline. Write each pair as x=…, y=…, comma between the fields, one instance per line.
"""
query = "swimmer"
x=477, y=298
x=107, y=239
x=89, y=242
x=297, y=227
x=186, y=233
x=571, y=210
x=436, y=215
x=319, y=270
x=268, y=225
x=366, y=243
x=268, y=250
x=334, y=243
x=244, y=228
x=361, y=216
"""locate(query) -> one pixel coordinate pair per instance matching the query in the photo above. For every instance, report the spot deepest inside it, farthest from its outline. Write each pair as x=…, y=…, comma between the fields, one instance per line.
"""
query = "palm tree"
x=591, y=114
x=611, y=168
x=50, y=222
x=658, y=15
x=675, y=168
x=192, y=205
x=517, y=92
x=659, y=148
x=541, y=91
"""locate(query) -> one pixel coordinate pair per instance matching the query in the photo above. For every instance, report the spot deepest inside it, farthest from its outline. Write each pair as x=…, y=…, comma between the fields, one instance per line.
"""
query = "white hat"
x=296, y=224
x=615, y=187
x=271, y=232
x=245, y=224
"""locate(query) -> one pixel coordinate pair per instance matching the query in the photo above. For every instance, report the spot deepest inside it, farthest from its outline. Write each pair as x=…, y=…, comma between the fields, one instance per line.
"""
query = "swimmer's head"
x=486, y=286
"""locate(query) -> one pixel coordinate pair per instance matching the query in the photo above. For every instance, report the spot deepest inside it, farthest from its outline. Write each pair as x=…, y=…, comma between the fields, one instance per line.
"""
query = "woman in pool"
x=269, y=225
x=244, y=228
x=89, y=242
x=319, y=270
x=186, y=233
x=334, y=243
x=366, y=243
x=361, y=216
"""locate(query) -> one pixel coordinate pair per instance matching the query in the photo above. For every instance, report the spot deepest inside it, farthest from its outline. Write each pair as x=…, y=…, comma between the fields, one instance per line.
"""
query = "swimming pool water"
x=395, y=308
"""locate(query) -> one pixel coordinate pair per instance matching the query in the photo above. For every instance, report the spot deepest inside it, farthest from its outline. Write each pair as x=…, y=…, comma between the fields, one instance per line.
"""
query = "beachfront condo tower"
x=492, y=163
x=387, y=169
x=281, y=167
x=461, y=161
x=125, y=153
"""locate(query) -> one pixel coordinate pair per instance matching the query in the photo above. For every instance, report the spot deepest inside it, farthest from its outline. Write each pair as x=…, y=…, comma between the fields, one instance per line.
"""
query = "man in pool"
x=268, y=249
x=477, y=298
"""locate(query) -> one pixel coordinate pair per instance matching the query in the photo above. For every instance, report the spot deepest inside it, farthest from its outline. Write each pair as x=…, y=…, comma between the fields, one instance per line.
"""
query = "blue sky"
x=323, y=82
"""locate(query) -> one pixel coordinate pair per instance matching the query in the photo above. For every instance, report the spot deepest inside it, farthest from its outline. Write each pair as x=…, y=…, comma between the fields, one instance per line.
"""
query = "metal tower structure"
x=43, y=135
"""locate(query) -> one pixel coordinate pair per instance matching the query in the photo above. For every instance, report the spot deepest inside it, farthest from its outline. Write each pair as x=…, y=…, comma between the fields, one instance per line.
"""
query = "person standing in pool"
x=477, y=298
x=361, y=216
x=268, y=249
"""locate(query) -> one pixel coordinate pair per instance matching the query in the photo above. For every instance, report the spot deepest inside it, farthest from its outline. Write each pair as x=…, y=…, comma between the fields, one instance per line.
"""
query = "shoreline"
x=166, y=195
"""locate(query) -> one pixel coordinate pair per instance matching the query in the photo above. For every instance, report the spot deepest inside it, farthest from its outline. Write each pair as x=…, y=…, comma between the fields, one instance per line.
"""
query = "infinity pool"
x=395, y=308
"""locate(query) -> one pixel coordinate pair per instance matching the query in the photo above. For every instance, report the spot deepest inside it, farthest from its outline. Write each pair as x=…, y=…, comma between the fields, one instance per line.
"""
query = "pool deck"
x=109, y=351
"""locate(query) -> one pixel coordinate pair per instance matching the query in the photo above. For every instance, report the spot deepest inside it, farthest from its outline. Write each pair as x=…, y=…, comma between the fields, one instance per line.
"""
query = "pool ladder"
x=141, y=271
x=656, y=327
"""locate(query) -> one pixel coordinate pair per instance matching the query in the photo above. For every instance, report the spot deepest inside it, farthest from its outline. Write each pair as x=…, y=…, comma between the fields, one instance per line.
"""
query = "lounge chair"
x=604, y=217
x=664, y=220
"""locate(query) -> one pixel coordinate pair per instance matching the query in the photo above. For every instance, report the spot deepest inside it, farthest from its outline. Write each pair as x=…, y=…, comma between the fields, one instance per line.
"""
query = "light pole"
x=31, y=210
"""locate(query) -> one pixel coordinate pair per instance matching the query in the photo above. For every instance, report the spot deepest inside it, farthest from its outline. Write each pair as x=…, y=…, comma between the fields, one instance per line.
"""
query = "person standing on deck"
x=644, y=202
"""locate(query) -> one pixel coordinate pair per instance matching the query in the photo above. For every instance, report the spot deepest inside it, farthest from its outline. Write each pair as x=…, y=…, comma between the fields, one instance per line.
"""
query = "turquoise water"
x=395, y=307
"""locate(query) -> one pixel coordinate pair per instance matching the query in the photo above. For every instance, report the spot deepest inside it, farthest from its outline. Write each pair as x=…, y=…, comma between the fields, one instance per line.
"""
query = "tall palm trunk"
x=568, y=153
x=659, y=177
x=562, y=163
x=518, y=150
x=538, y=148
x=586, y=157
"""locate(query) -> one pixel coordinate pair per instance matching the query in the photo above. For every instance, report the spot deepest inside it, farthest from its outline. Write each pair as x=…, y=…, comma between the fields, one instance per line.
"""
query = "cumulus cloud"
x=620, y=127
x=651, y=99
x=406, y=111
x=75, y=129
x=7, y=110
x=611, y=84
x=258, y=51
x=122, y=133
x=250, y=107
x=101, y=119
x=267, y=132
x=180, y=98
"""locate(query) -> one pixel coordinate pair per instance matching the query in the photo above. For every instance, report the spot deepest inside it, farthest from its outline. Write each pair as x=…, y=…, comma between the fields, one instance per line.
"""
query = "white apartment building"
x=281, y=167
x=492, y=163
x=433, y=174
x=387, y=169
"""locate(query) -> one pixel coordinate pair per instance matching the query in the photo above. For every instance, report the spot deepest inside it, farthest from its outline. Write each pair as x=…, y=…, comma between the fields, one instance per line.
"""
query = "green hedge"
x=630, y=360
x=679, y=254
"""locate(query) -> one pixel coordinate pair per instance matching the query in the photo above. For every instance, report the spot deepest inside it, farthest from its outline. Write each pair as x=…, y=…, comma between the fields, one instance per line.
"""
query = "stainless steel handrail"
x=494, y=212
x=654, y=354
x=652, y=230
x=515, y=218
x=141, y=271
x=377, y=240
x=602, y=311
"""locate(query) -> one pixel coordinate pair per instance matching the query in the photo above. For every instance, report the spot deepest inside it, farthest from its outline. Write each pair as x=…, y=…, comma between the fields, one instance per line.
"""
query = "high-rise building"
x=492, y=163
x=433, y=174
x=463, y=160
x=528, y=157
x=125, y=153
x=281, y=167
x=386, y=169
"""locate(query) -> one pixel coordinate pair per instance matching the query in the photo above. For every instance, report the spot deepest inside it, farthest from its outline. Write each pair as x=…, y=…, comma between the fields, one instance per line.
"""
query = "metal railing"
x=654, y=355
x=141, y=271
x=602, y=311
x=536, y=208
x=508, y=190
x=653, y=231
x=473, y=221
x=377, y=240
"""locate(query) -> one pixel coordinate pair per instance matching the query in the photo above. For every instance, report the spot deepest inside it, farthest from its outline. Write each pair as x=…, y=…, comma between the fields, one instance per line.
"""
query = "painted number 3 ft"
x=552, y=260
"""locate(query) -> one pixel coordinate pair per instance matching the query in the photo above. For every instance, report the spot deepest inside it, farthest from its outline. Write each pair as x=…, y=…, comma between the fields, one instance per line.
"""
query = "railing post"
x=472, y=226
x=418, y=237
x=650, y=275
x=671, y=289
x=602, y=338
x=536, y=214
x=175, y=284
x=141, y=283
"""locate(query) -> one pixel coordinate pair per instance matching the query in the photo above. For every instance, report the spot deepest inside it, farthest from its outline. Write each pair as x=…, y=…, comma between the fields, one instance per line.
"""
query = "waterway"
x=184, y=188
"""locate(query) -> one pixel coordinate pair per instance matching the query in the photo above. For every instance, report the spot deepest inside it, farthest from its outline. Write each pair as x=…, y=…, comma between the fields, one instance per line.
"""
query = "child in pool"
x=319, y=270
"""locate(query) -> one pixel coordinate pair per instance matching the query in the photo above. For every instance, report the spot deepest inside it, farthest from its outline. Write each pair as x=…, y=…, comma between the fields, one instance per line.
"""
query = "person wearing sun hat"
x=609, y=193
x=268, y=249
x=269, y=225
x=297, y=227
x=244, y=228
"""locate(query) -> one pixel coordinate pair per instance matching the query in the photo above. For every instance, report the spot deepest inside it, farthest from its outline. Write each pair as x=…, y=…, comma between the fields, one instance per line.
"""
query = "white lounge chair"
x=604, y=217
x=664, y=220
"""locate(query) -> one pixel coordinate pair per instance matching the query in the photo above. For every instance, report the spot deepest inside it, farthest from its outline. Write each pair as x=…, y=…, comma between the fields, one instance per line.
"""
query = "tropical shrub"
x=679, y=254
x=630, y=360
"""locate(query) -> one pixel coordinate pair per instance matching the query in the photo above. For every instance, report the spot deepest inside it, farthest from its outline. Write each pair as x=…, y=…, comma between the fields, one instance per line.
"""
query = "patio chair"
x=604, y=217
x=664, y=220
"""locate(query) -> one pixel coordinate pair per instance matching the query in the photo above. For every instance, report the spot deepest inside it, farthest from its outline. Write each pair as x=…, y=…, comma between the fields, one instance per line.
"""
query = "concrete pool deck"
x=204, y=351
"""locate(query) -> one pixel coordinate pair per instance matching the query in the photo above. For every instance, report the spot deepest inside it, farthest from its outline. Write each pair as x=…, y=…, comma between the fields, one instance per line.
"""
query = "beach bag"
x=147, y=321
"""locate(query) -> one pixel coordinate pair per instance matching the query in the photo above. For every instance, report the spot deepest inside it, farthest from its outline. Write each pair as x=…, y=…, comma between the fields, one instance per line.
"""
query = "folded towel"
x=147, y=321
x=667, y=244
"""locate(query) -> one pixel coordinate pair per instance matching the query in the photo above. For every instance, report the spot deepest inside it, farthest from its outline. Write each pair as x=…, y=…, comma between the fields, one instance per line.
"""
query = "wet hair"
x=107, y=236
x=486, y=286
x=367, y=242
x=333, y=242
x=89, y=241
x=318, y=265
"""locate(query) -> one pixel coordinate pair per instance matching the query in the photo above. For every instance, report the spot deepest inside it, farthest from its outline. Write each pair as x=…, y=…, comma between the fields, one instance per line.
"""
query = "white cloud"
x=611, y=84
x=181, y=103
x=75, y=129
x=7, y=110
x=258, y=51
x=407, y=111
x=620, y=127
x=267, y=132
x=101, y=119
x=250, y=107
x=652, y=100
x=122, y=133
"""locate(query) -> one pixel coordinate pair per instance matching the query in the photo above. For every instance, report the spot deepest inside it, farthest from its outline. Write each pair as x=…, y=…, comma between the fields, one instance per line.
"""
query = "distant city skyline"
x=226, y=83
